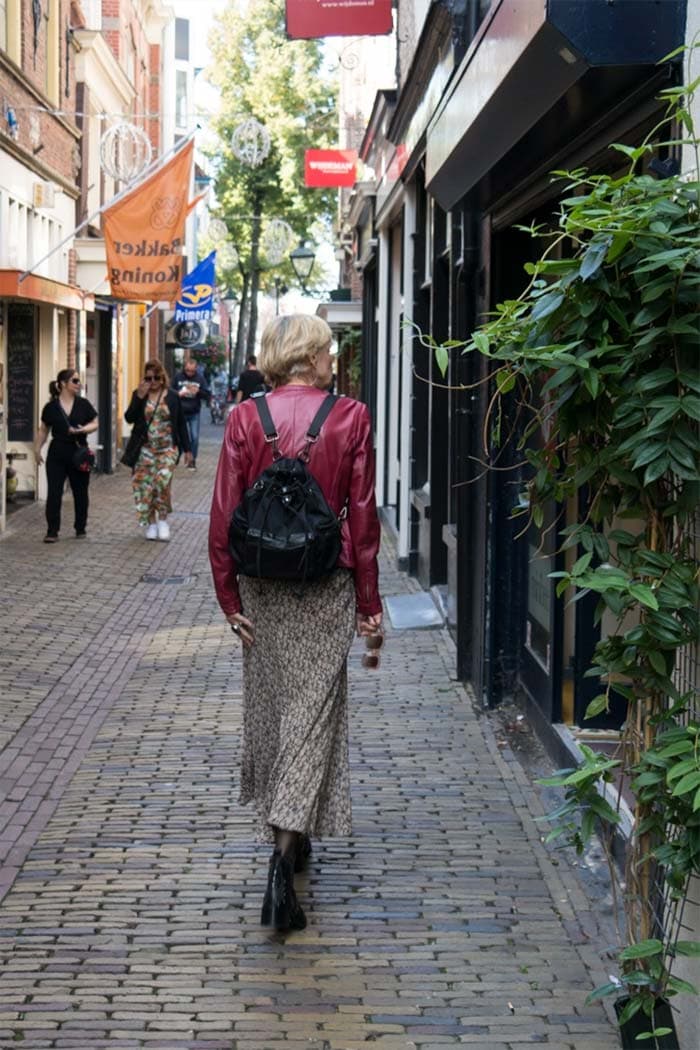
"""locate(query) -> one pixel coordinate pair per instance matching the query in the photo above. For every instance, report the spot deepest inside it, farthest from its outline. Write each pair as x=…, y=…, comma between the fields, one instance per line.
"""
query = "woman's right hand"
x=143, y=388
x=242, y=626
x=38, y=457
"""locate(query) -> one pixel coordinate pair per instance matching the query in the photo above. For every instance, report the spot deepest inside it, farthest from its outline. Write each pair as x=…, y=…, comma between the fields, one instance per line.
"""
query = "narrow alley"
x=130, y=884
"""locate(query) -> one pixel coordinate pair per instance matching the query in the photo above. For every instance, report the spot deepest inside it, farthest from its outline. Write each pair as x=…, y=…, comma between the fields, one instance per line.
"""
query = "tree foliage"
x=282, y=84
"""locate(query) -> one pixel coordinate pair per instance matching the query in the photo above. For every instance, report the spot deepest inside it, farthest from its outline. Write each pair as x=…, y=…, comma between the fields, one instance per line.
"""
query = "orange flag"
x=145, y=234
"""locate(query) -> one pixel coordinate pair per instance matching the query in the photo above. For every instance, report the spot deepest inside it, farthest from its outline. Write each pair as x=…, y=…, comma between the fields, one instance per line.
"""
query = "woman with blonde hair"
x=296, y=635
x=158, y=438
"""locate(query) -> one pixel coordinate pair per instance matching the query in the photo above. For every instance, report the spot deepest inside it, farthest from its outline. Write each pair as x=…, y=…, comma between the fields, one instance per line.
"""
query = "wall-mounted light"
x=12, y=123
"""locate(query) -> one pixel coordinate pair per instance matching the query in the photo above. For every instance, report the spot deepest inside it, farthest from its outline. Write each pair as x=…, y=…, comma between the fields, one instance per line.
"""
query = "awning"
x=525, y=57
x=339, y=314
x=44, y=290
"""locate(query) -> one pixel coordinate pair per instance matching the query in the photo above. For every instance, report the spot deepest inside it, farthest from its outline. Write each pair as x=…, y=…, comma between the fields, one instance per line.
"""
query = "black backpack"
x=283, y=528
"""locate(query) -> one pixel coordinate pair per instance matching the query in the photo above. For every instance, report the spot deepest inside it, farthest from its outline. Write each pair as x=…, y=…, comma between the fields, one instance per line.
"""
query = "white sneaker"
x=152, y=531
x=163, y=530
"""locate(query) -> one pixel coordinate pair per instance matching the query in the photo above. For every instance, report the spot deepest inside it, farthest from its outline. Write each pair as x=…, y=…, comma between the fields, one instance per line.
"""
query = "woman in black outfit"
x=70, y=418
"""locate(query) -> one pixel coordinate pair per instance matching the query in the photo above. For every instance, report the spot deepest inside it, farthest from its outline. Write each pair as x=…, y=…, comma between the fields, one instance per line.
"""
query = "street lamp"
x=230, y=300
x=280, y=289
x=302, y=259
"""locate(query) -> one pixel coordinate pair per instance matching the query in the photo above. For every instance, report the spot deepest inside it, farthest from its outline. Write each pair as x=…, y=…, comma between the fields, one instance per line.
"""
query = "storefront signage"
x=310, y=19
x=188, y=333
x=145, y=234
x=330, y=167
x=196, y=296
x=20, y=372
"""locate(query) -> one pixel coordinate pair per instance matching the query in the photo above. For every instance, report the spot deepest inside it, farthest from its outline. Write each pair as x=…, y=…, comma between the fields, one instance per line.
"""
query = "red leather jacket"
x=342, y=461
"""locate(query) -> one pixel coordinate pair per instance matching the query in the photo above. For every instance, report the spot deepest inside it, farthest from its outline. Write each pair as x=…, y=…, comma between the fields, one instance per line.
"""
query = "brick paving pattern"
x=130, y=888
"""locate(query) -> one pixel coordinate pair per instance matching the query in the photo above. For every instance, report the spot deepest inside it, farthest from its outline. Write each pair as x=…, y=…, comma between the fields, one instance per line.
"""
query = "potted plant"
x=600, y=355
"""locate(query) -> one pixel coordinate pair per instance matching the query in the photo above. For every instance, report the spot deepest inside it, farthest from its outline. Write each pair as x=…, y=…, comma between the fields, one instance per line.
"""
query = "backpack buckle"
x=273, y=439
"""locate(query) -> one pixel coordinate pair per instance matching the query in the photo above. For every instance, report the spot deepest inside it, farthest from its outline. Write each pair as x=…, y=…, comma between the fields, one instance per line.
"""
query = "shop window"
x=92, y=9
x=181, y=98
x=182, y=39
x=11, y=29
x=53, y=55
x=16, y=235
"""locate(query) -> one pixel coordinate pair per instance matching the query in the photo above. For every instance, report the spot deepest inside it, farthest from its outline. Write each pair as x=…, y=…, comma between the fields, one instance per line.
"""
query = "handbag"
x=137, y=439
x=83, y=458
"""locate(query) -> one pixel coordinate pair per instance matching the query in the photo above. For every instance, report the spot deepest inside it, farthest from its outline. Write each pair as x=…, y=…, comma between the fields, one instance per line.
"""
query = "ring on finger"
x=236, y=628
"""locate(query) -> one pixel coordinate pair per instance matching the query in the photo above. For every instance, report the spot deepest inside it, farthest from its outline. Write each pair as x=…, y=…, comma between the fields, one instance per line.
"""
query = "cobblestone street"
x=130, y=887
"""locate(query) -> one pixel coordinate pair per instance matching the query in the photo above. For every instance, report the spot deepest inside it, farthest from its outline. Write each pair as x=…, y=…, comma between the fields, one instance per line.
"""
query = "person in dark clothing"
x=192, y=388
x=69, y=418
x=251, y=381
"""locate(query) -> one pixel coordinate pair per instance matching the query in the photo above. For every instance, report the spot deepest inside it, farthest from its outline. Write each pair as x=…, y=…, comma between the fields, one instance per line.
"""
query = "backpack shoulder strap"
x=271, y=435
x=320, y=417
x=265, y=417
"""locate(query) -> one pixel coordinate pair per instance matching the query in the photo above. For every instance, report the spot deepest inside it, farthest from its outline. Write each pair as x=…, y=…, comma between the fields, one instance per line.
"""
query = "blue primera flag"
x=196, y=294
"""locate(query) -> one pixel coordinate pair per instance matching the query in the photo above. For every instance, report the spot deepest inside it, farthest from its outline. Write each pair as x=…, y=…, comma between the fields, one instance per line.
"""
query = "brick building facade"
x=68, y=70
x=39, y=165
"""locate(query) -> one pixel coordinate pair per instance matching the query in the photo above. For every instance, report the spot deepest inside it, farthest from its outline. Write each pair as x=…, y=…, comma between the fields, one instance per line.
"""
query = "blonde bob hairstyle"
x=289, y=345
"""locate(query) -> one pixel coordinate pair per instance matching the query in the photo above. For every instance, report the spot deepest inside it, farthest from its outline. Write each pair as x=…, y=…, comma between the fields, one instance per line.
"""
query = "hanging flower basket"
x=211, y=355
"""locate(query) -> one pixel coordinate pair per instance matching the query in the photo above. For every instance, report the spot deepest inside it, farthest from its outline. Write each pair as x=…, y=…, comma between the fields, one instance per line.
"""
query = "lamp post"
x=280, y=289
x=230, y=300
x=302, y=259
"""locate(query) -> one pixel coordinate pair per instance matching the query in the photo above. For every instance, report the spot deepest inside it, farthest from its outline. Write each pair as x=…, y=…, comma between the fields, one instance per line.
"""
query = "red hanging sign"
x=330, y=167
x=309, y=19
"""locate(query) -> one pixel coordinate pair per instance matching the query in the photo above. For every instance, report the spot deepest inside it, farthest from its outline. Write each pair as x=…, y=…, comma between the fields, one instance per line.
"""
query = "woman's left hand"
x=242, y=626
x=188, y=458
x=369, y=625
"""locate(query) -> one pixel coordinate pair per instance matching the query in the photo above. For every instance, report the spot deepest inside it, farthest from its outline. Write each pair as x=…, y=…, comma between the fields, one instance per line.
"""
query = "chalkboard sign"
x=20, y=372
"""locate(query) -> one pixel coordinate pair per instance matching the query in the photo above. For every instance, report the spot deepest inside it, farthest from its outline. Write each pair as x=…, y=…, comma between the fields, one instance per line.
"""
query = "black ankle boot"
x=281, y=908
x=302, y=853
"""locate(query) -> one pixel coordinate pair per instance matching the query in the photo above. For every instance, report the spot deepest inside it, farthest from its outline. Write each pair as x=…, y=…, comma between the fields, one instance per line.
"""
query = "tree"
x=282, y=84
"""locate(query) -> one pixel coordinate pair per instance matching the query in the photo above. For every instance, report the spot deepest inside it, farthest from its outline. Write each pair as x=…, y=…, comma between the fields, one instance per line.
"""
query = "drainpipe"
x=382, y=423
x=406, y=392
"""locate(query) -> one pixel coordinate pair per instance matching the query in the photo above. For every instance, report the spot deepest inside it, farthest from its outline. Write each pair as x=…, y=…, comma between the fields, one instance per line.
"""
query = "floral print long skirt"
x=295, y=764
x=151, y=481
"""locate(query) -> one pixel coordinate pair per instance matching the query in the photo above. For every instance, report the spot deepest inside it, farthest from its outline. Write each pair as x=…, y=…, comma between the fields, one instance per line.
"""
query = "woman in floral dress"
x=159, y=427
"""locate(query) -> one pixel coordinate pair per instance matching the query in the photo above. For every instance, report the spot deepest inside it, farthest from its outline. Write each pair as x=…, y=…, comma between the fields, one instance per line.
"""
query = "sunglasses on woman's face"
x=150, y=379
x=76, y=380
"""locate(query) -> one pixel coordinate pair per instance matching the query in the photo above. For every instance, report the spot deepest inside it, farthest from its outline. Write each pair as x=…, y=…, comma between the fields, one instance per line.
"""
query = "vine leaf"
x=547, y=305
x=593, y=258
x=442, y=359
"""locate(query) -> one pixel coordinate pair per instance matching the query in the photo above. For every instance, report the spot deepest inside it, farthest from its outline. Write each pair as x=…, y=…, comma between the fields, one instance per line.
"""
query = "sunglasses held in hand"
x=373, y=643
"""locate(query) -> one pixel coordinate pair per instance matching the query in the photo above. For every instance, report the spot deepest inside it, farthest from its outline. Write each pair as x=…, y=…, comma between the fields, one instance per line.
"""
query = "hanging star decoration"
x=250, y=142
x=125, y=151
x=277, y=239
